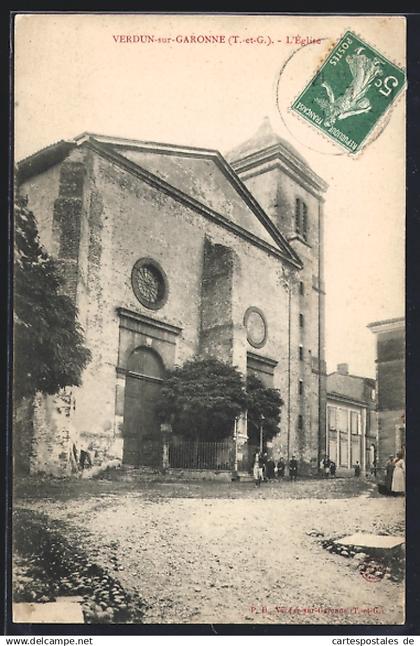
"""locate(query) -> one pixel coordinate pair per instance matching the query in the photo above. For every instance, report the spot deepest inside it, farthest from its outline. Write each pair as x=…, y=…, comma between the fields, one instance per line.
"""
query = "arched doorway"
x=142, y=443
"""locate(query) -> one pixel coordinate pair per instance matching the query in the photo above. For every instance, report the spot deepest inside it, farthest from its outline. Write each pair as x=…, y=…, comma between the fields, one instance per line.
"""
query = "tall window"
x=342, y=420
x=297, y=215
x=300, y=386
x=301, y=218
x=332, y=418
x=301, y=353
x=301, y=320
x=354, y=423
x=300, y=422
x=304, y=221
x=301, y=288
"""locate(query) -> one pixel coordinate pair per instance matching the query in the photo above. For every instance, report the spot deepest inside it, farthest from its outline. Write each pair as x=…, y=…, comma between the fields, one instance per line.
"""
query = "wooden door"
x=142, y=442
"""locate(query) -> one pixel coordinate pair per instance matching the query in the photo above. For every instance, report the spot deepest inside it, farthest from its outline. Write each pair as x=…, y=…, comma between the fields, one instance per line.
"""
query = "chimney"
x=343, y=368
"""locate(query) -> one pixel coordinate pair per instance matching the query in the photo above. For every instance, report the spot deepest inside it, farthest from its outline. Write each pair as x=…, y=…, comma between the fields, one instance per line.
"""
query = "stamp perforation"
x=377, y=127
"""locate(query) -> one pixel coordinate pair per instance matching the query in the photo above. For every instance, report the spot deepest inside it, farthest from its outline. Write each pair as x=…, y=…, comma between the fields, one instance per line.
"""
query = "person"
x=270, y=469
x=398, y=476
x=280, y=468
x=333, y=468
x=258, y=469
x=326, y=466
x=264, y=459
x=357, y=470
x=389, y=472
x=293, y=468
x=374, y=467
x=85, y=460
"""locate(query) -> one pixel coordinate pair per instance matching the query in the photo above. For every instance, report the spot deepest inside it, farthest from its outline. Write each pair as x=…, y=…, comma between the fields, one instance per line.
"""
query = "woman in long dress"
x=398, y=477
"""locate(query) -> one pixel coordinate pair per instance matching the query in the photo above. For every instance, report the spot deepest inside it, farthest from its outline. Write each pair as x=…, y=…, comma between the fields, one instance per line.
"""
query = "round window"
x=256, y=327
x=149, y=283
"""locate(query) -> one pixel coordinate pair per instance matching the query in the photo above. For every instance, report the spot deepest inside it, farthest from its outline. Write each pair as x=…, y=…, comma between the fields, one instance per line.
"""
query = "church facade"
x=171, y=252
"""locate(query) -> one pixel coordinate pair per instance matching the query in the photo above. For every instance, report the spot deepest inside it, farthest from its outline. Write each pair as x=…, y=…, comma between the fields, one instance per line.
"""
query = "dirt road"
x=245, y=559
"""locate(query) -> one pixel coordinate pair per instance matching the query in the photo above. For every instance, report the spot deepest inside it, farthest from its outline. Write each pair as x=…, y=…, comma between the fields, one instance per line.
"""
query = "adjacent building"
x=390, y=369
x=170, y=252
x=351, y=435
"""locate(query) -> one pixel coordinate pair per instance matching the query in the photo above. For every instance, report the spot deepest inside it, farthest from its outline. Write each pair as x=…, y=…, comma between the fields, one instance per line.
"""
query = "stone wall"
x=216, y=331
x=391, y=392
x=115, y=218
x=53, y=434
x=277, y=191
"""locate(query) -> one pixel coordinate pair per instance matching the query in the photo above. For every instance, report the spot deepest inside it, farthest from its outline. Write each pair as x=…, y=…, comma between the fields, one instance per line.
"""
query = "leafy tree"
x=202, y=399
x=264, y=406
x=49, y=351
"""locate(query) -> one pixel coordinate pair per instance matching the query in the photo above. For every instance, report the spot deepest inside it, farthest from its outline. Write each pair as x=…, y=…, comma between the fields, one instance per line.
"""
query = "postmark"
x=372, y=571
x=350, y=93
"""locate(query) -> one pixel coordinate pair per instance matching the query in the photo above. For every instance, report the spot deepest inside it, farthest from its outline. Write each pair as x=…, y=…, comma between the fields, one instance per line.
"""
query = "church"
x=171, y=252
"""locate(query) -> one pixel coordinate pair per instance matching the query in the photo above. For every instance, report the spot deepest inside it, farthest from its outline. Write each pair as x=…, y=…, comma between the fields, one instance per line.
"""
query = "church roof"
x=200, y=177
x=266, y=145
x=264, y=137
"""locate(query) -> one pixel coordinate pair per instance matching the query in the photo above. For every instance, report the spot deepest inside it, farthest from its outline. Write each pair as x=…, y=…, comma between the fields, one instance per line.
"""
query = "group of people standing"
x=328, y=467
x=395, y=475
x=265, y=468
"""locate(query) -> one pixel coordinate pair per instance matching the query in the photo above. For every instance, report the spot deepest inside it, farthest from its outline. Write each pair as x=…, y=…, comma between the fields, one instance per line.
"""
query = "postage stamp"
x=349, y=94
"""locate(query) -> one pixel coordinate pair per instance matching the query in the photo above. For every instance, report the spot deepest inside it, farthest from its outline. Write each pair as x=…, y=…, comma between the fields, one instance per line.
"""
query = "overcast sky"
x=72, y=76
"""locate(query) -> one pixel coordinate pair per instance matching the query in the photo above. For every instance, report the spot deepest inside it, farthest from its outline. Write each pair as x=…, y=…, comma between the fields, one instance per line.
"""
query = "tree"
x=264, y=407
x=49, y=350
x=202, y=399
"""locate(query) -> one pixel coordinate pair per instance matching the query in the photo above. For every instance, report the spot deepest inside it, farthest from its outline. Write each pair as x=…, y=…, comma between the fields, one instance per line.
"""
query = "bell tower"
x=291, y=194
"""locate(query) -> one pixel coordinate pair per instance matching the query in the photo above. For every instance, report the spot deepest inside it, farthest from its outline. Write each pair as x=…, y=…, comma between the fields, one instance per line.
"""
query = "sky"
x=74, y=74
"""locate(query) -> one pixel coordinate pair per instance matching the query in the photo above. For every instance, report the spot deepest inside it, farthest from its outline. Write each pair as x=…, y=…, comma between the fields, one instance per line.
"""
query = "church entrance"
x=142, y=441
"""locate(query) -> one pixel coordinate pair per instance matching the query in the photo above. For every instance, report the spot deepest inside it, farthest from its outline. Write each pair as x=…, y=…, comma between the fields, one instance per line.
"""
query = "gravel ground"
x=242, y=558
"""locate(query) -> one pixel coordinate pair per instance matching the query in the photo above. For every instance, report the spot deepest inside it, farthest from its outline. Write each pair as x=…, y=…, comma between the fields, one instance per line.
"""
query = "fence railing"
x=189, y=454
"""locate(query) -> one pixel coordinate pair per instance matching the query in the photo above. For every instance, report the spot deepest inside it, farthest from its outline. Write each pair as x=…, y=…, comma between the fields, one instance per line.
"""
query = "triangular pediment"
x=202, y=179
x=201, y=176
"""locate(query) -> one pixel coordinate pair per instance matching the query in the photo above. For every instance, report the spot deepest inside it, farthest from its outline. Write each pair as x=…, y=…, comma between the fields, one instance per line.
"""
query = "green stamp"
x=350, y=92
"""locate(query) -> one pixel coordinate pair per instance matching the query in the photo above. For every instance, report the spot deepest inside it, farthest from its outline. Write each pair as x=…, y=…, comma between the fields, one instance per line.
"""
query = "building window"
x=332, y=419
x=304, y=221
x=301, y=353
x=342, y=420
x=300, y=386
x=301, y=320
x=300, y=422
x=354, y=423
x=297, y=216
x=301, y=218
x=149, y=283
x=301, y=288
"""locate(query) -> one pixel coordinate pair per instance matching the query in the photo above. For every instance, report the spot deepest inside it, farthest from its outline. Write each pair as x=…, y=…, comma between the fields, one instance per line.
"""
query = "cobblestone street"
x=223, y=552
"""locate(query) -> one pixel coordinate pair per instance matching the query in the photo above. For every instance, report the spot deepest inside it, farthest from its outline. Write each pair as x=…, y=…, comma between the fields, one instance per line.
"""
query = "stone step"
x=372, y=543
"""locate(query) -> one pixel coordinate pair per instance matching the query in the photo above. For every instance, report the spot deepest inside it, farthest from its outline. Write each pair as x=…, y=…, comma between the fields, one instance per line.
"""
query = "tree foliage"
x=264, y=407
x=202, y=398
x=49, y=350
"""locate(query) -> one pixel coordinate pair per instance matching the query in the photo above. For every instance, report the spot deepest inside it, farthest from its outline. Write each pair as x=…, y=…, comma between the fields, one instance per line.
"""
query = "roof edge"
x=270, y=152
x=43, y=159
x=387, y=325
x=149, y=177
